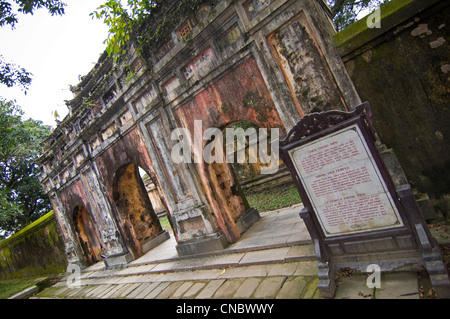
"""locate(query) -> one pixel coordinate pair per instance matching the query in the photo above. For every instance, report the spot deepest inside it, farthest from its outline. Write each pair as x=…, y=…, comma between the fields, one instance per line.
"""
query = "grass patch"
x=165, y=223
x=273, y=198
x=9, y=288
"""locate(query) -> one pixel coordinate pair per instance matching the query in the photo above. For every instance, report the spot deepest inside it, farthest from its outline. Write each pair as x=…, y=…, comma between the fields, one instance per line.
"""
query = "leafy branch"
x=121, y=21
x=139, y=21
x=11, y=74
x=22, y=199
x=345, y=12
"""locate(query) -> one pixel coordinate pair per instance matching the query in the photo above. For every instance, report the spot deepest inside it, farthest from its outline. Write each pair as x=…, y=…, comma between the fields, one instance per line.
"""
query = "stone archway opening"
x=136, y=216
x=233, y=165
x=250, y=168
x=87, y=235
x=151, y=186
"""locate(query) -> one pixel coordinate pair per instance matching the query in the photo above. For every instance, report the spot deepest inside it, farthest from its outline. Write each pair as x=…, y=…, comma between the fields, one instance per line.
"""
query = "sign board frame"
x=344, y=184
x=333, y=157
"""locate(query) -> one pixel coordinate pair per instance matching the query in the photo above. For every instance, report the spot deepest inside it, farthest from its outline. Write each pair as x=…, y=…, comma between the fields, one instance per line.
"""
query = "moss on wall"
x=401, y=70
x=35, y=250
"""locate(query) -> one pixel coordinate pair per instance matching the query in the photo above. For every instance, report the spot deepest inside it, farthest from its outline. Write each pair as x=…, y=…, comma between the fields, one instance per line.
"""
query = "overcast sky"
x=56, y=50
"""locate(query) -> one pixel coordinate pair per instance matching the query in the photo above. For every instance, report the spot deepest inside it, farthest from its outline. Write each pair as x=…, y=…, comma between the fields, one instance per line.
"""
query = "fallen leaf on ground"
x=364, y=295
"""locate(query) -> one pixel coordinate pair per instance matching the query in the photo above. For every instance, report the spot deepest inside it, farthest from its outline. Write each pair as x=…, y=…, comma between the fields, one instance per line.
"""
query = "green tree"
x=140, y=20
x=10, y=73
x=22, y=199
x=122, y=20
x=345, y=12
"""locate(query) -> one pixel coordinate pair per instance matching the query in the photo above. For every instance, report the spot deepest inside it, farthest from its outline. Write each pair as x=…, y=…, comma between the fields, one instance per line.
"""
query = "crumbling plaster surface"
x=239, y=95
x=135, y=215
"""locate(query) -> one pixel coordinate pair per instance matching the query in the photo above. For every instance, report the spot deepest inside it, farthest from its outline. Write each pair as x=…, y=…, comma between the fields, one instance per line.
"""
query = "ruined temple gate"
x=267, y=62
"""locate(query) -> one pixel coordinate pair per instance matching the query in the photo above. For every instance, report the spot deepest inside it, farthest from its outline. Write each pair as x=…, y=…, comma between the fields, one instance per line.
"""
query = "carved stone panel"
x=304, y=67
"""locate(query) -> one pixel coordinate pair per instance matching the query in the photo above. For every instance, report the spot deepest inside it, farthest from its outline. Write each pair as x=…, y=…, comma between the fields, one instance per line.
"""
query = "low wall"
x=35, y=250
x=403, y=70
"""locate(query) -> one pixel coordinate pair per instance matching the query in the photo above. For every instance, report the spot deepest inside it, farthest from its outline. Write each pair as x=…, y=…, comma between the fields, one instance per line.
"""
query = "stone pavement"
x=273, y=259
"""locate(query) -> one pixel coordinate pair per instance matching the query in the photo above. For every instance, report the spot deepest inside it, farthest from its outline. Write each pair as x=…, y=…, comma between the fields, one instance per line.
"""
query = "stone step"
x=276, y=237
x=260, y=257
x=292, y=280
x=260, y=244
x=285, y=280
x=274, y=252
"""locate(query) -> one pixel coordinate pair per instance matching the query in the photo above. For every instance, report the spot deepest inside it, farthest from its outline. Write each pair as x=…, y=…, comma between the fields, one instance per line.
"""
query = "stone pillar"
x=115, y=251
x=72, y=249
x=190, y=216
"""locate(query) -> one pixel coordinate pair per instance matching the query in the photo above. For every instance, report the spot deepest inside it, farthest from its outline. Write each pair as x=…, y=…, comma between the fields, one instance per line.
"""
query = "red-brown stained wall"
x=73, y=196
x=239, y=95
x=75, y=199
x=112, y=164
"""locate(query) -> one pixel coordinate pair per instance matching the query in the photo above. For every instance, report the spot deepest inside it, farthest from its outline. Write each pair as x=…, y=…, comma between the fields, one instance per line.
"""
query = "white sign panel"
x=344, y=184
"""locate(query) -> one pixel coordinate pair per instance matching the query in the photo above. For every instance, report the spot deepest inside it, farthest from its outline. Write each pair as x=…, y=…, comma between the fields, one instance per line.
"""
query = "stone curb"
x=24, y=294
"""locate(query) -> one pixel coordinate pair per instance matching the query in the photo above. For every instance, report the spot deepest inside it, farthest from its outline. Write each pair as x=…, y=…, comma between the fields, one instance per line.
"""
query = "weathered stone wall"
x=403, y=70
x=35, y=250
x=227, y=61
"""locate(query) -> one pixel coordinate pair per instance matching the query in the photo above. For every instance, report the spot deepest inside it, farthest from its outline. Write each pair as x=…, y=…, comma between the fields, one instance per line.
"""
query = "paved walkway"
x=273, y=259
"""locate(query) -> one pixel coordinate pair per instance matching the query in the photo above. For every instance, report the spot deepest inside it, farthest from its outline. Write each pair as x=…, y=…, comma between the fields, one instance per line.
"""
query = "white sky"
x=56, y=50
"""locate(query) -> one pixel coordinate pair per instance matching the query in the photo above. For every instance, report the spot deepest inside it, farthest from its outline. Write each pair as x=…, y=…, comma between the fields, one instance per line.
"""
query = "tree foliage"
x=122, y=20
x=22, y=199
x=10, y=73
x=345, y=12
x=131, y=21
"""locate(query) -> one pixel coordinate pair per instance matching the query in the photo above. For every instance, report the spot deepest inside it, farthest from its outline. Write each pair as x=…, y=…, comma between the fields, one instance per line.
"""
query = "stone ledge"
x=392, y=14
x=201, y=246
x=24, y=294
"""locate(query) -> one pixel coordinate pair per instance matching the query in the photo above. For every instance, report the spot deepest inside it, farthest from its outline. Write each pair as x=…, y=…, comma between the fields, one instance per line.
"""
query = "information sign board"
x=344, y=184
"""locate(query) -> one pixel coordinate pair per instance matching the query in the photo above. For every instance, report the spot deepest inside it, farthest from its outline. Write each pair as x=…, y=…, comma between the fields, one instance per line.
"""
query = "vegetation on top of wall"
x=31, y=227
x=346, y=12
x=392, y=14
x=34, y=251
x=147, y=23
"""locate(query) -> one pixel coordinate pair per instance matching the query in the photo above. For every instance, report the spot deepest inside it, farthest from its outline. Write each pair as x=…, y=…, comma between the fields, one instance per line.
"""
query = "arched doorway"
x=136, y=216
x=158, y=203
x=224, y=167
x=87, y=235
x=228, y=195
x=246, y=162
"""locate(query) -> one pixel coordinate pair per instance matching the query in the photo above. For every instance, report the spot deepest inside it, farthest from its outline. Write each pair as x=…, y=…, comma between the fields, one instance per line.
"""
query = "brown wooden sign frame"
x=388, y=247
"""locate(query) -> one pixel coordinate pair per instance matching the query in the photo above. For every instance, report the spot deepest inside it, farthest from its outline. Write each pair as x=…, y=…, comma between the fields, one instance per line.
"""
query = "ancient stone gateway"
x=268, y=62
